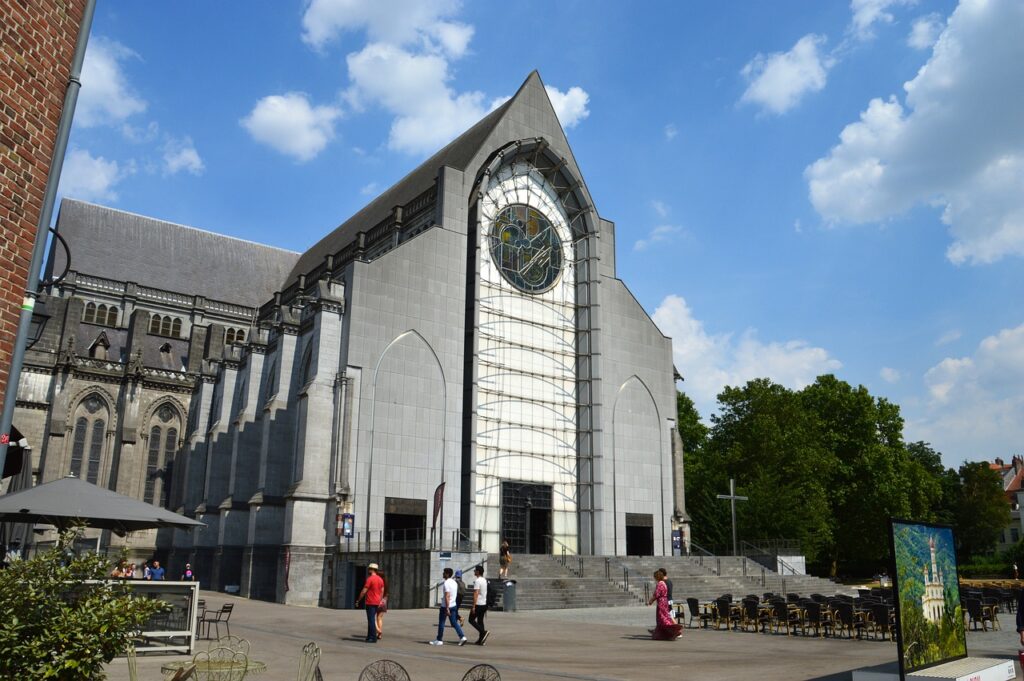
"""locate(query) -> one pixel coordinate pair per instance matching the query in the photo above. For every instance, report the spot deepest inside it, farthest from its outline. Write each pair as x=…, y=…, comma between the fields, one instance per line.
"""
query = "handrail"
x=567, y=551
x=700, y=548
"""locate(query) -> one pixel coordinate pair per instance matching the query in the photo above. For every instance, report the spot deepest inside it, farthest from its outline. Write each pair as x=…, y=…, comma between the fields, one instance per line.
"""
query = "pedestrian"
x=665, y=628
x=129, y=571
x=187, y=575
x=383, y=607
x=462, y=595
x=118, y=571
x=371, y=595
x=668, y=584
x=504, y=559
x=479, y=609
x=146, y=570
x=156, y=573
x=450, y=592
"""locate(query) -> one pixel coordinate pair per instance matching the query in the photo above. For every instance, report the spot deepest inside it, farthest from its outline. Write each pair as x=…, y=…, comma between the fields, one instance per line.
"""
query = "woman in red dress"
x=665, y=628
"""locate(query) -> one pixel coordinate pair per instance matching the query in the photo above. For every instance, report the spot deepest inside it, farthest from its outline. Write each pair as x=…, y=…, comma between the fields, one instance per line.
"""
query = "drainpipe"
x=43, y=227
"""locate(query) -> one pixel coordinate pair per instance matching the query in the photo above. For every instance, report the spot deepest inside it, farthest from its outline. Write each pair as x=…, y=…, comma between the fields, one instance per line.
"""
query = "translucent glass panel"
x=526, y=360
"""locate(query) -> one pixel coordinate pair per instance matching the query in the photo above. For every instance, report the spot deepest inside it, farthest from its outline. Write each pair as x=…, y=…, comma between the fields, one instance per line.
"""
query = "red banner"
x=438, y=500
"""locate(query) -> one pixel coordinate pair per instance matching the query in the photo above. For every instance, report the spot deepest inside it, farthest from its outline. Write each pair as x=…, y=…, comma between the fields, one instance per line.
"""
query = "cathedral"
x=455, y=365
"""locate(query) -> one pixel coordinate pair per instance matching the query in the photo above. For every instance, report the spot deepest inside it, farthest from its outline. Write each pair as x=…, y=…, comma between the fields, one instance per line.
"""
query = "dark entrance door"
x=526, y=517
x=639, y=534
x=405, y=523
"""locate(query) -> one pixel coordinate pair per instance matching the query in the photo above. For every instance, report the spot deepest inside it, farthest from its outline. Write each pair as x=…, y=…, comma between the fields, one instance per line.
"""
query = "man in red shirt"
x=373, y=592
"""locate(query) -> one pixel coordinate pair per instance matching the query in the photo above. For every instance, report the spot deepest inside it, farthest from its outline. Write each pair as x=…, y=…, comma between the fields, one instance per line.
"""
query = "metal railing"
x=411, y=539
x=565, y=557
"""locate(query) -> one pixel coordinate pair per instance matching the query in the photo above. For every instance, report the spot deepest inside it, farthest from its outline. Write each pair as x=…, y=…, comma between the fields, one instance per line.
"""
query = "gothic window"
x=239, y=335
x=104, y=315
x=88, y=438
x=163, y=444
x=232, y=336
x=165, y=325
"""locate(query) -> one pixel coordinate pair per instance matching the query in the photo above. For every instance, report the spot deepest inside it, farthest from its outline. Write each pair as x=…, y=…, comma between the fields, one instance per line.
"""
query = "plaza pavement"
x=601, y=644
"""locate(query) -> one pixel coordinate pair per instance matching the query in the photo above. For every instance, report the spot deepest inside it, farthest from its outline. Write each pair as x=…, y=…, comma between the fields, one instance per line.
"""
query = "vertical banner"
x=438, y=501
x=348, y=524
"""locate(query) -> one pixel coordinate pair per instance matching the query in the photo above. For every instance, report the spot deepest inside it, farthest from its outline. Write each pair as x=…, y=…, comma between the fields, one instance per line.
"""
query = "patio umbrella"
x=69, y=500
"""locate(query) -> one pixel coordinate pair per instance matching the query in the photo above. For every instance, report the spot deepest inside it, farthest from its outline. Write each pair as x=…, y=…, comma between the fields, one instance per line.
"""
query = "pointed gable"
x=527, y=114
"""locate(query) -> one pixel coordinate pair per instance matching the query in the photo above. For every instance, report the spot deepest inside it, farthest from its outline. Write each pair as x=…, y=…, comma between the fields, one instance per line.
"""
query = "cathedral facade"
x=454, y=365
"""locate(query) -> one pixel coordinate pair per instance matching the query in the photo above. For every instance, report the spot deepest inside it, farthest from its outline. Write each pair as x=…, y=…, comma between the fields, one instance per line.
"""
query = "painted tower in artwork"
x=933, y=602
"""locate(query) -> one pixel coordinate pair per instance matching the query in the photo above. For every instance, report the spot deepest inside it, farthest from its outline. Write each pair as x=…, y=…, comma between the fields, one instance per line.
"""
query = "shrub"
x=58, y=624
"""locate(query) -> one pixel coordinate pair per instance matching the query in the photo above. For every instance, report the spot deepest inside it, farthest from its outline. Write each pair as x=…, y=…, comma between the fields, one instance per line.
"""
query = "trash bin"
x=508, y=596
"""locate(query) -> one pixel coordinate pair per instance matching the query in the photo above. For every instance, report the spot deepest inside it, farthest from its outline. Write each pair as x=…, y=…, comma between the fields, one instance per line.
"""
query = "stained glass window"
x=526, y=248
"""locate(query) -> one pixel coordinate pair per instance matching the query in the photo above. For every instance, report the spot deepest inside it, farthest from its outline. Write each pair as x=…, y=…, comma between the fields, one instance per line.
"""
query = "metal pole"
x=43, y=227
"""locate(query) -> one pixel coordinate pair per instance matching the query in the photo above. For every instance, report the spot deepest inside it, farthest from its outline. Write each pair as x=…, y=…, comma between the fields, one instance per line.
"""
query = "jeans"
x=476, y=618
x=452, y=615
x=371, y=622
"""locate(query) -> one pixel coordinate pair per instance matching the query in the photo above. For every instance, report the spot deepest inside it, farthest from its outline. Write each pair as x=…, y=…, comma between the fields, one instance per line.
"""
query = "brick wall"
x=37, y=45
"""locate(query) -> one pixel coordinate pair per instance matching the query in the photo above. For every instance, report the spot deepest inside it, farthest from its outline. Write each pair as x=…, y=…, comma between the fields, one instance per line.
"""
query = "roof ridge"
x=178, y=224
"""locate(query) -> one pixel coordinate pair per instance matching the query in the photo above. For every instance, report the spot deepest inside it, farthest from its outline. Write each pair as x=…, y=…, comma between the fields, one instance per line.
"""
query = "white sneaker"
x=437, y=643
x=462, y=641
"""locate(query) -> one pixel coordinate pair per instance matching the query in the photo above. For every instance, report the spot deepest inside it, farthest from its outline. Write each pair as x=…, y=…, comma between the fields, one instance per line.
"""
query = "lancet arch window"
x=88, y=440
x=165, y=325
x=232, y=336
x=161, y=447
x=100, y=313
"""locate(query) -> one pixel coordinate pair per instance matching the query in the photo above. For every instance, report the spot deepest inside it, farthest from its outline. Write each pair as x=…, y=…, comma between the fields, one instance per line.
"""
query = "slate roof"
x=457, y=154
x=122, y=246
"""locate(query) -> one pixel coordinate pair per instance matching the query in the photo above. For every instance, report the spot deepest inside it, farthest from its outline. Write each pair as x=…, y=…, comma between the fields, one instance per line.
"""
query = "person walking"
x=504, y=559
x=383, y=607
x=448, y=610
x=188, y=575
x=156, y=573
x=479, y=608
x=665, y=628
x=461, y=598
x=371, y=595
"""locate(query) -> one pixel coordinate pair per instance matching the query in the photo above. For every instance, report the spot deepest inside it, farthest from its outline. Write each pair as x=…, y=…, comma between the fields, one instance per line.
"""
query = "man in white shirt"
x=479, y=609
x=448, y=610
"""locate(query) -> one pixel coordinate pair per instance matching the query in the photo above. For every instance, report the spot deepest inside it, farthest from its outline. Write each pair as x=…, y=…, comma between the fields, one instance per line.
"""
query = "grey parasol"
x=69, y=500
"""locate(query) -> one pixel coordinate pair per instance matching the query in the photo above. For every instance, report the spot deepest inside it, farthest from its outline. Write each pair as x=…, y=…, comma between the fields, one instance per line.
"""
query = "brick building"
x=37, y=43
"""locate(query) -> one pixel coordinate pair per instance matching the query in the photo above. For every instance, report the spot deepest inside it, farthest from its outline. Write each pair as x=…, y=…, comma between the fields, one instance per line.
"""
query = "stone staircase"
x=545, y=582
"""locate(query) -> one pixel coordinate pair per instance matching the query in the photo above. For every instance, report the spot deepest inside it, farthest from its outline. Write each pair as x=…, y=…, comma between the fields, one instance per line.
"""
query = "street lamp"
x=37, y=323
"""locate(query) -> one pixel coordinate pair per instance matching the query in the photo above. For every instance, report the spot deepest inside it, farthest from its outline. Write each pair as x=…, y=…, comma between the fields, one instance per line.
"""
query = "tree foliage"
x=827, y=466
x=60, y=624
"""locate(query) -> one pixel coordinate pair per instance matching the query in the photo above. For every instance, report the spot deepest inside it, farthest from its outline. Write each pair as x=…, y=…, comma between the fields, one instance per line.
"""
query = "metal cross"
x=731, y=496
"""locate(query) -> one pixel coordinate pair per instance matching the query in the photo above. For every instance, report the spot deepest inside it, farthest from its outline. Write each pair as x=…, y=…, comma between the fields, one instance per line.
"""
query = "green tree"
x=58, y=623
x=983, y=511
x=870, y=479
x=763, y=439
x=691, y=429
x=935, y=490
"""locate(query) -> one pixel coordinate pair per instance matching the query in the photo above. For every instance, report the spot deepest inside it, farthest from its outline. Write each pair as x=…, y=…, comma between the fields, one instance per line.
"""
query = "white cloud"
x=570, y=106
x=106, y=98
x=397, y=22
x=181, y=154
x=370, y=189
x=868, y=13
x=975, y=402
x=778, y=81
x=661, y=208
x=90, y=178
x=958, y=143
x=291, y=125
x=949, y=337
x=710, y=362
x=890, y=375
x=659, y=234
x=671, y=131
x=925, y=31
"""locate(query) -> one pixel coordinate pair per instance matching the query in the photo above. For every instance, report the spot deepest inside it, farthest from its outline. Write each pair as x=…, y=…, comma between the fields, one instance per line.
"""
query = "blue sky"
x=797, y=187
